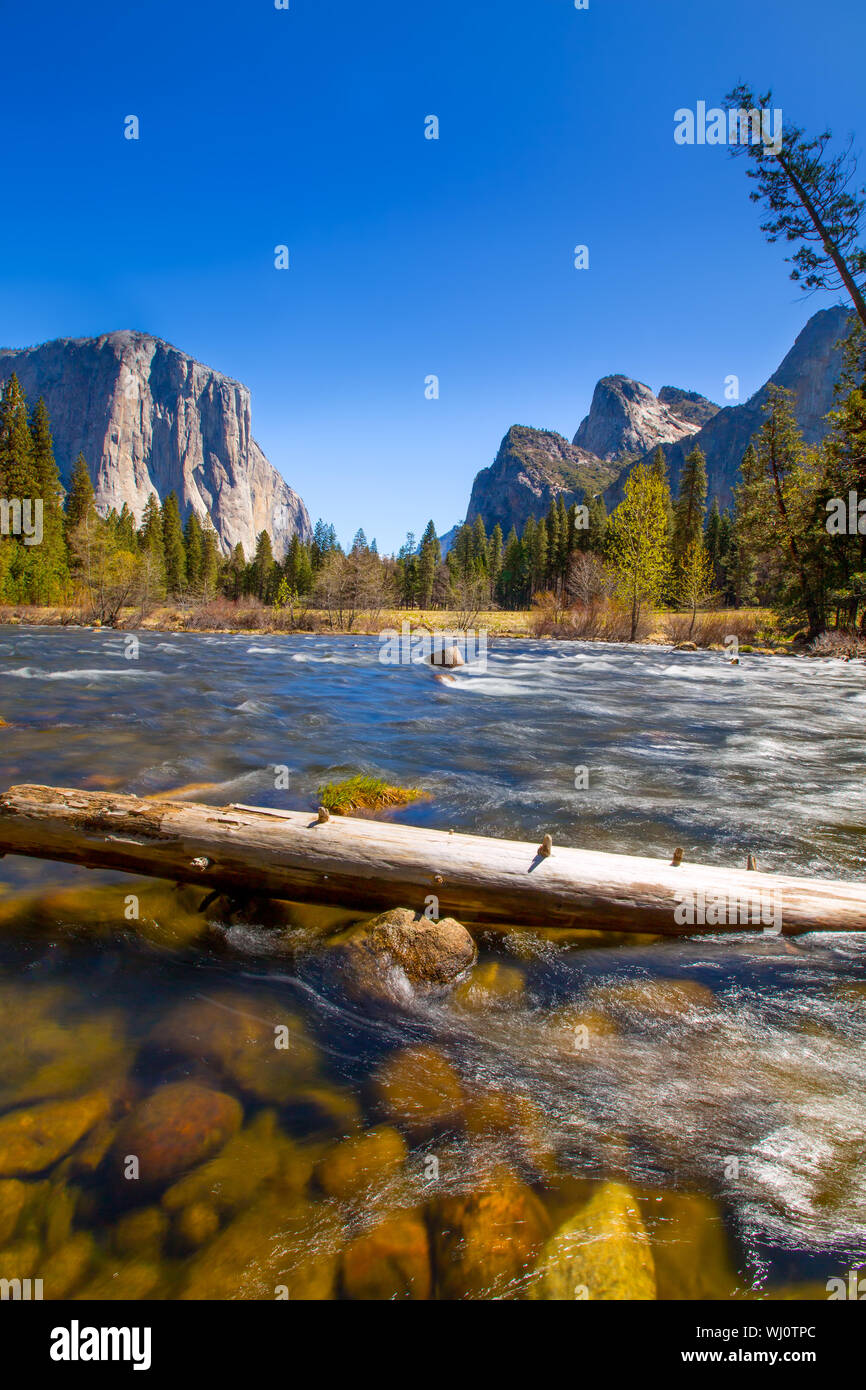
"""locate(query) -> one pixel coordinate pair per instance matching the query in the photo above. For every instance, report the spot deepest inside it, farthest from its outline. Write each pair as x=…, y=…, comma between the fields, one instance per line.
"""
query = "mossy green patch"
x=362, y=793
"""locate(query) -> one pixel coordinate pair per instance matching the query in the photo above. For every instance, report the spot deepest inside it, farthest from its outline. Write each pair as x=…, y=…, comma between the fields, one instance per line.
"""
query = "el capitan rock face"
x=627, y=418
x=531, y=469
x=149, y=418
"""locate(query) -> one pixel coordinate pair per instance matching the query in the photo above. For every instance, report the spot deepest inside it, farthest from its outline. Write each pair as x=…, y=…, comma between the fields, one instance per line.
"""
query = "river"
x=722, y=1089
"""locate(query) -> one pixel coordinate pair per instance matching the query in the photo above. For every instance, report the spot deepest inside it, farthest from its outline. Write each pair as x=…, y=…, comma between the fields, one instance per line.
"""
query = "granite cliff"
x=627, y=422
x=627, y=418
x=149, y=418
x=530, y=470
x=811, y=370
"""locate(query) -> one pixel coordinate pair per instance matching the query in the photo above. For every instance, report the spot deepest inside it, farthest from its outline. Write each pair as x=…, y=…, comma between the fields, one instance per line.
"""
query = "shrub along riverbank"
x=755, y=629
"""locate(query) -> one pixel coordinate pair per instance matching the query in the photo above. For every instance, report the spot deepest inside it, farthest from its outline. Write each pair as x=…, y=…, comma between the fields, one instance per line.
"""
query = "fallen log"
x=376, y=865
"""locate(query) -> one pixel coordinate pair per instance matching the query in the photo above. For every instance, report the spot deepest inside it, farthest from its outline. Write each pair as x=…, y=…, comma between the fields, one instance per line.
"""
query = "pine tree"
x=691, y=503
x=777, y=502
x=193, y=538
x=263, y=569
x=429, y=560
x=210, y=560
x=20, y=491
x=175, y=553
x=49, y=580
x=80, y=499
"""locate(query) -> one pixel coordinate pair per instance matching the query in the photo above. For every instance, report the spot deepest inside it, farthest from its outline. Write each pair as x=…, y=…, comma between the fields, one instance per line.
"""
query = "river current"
x=723, y=1086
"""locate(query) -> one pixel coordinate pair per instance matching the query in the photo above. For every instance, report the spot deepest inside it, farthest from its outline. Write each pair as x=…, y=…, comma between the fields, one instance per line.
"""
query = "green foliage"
x=637, y=548
x=363, y=793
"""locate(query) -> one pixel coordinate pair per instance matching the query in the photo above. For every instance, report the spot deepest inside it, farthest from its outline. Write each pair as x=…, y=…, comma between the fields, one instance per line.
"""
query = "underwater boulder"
x=389, y=1261
x=37, y=1137
x=485, y=1241
x=601, y=1253
x=175, y=1128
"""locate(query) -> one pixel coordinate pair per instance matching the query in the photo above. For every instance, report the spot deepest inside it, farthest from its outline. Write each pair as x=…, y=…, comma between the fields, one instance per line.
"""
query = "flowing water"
x=711, y=1087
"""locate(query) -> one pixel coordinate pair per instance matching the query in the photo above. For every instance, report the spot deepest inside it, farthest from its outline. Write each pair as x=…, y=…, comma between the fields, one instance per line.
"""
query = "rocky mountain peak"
x=627, y=418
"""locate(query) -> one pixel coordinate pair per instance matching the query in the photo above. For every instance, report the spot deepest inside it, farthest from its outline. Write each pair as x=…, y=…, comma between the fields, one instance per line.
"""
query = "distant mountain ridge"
x=811, y=370
x=150, y=418
x=627, y=422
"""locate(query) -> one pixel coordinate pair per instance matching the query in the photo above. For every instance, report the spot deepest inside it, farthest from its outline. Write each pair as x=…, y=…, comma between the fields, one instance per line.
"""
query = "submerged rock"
x=655, y=1001
x=196, y=1225
x=490, y=984
x=65, y=1270
x=34, y=1139
x=351, y=1168
x=691, y=1251
x=122, y=1283
x=428, y=953
x=419, y=1090
x=262, y=1050
x=140, y=1232
x=390, y=1261
x=21, y=1260
x=14, y=1199
x=269, y=1252
x=601, y=1253
x=177, y=1127
x=485, y=1243
x=231, y=1180
x=45, y=1057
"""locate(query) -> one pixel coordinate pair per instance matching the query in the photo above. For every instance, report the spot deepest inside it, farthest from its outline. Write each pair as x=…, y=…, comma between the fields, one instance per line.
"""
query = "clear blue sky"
x=408, y=257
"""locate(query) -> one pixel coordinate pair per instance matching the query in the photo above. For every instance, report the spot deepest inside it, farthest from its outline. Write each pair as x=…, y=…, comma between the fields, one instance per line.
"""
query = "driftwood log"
x=375, y=865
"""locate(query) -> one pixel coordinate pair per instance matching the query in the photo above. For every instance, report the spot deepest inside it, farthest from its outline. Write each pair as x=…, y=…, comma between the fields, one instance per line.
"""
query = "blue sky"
x=409, y=257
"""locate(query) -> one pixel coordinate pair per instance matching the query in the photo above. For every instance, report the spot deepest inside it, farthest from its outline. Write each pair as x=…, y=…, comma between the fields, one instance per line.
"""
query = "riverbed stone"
x=21, y=1259
x=69, y=1266
x=429, y=954
x=270, y=1251
x=231, y=1180
x=362, y=1163
x=654, y=1001
x=141, y=1232
x=14, y=1199
x=691, y=1250
x=45, y=1055
x=602, y=1253
x=491, y=984
x=34, y=1139
x=486, y=1241
x=129, y=1281
x=261, y=1049
x=391, y=1260
x=175, y=1128
x=418, y=1089
x=195, y=1225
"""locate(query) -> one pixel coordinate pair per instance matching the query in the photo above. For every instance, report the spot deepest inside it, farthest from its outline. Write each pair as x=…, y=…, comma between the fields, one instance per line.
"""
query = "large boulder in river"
x=601, y=1253
x=449, y=657
x=177, y=1127
x=429, y=954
